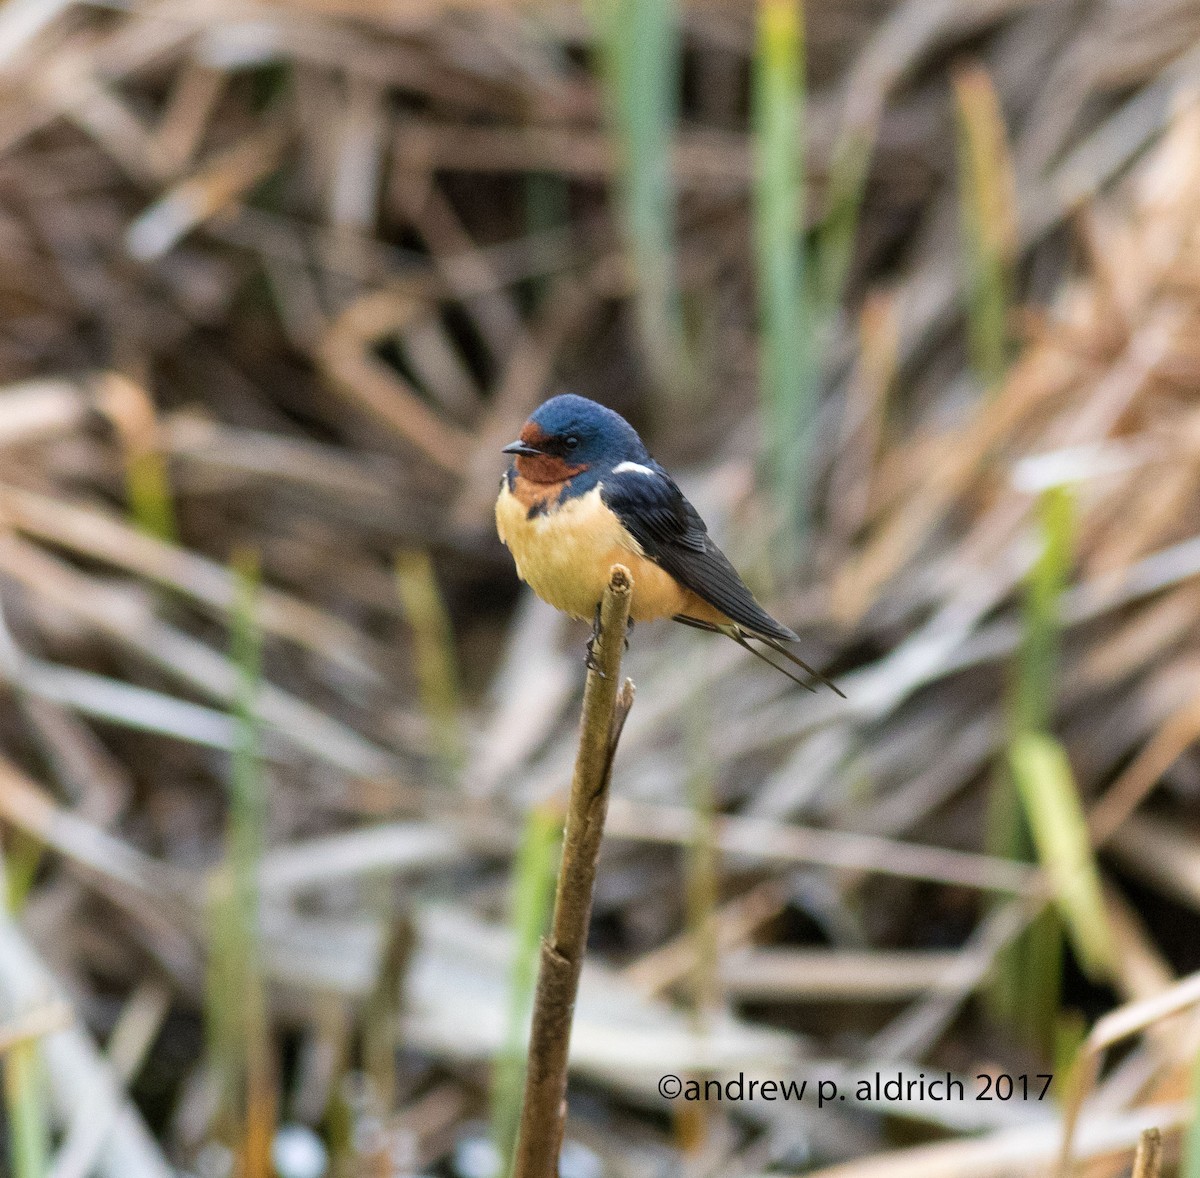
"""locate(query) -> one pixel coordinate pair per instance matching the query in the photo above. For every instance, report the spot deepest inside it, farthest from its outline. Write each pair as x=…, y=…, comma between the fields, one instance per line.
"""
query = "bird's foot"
x=590, y=662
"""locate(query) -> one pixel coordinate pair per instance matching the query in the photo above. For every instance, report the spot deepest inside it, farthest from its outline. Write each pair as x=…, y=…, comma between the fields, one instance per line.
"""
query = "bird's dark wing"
x=658, y=516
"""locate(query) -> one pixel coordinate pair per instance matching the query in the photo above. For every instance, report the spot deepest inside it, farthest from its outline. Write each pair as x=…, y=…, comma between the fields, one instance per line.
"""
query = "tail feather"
x=787, y=654
x=740, y=635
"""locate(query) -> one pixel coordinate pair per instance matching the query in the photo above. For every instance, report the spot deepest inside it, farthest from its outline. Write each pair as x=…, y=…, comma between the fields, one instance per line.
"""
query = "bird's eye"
x=572, y=442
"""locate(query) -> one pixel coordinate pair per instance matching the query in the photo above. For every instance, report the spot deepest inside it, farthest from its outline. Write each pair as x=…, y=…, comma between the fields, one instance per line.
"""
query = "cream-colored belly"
x=565, y=556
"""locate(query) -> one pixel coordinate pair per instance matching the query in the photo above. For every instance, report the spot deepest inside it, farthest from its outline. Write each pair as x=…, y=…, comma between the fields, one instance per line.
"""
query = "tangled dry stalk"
x=271, y=280
x=606, y=704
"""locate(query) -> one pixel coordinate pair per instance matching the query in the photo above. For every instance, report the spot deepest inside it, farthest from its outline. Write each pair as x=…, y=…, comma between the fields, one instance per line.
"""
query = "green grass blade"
x=833, y=248
x=1070, y=1033
x=1016, y=995
x=786, y=344
x=437, y=668
x=26, y=1105
x=1039, y=959
x=641, y=60
x=237, y=1019
x=149, y=489
x=1032, y=698
x=987, y=196
x=147, y=479
x=380, y=1021
x=24, y=858
x=1032, y=682
x=1060, y=832
x=26, y=1102
x=248, y=814
x=1027, y=986
x=1190, y=1165
x=27, y=1111
x=547, y=207
x=533, y=897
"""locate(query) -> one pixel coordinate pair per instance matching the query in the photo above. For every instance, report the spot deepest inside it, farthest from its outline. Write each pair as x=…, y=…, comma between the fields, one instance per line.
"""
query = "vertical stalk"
x=238, y=1022
x=786, y=346
x=26, y=1104
x=437, y=669
x=640, y=40
x=987, y=196
x=1026, y=991
x=605, y=706
x=533, y=894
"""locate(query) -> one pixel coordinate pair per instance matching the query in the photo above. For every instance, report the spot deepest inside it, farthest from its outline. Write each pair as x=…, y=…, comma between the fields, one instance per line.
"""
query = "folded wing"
x=657, y=514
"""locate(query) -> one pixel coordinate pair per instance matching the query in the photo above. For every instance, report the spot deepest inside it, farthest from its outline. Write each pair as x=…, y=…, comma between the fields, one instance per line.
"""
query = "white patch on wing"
x=633, y=468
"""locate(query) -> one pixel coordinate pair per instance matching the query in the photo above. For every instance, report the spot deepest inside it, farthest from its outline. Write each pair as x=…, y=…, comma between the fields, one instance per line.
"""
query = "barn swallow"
x=583, y=494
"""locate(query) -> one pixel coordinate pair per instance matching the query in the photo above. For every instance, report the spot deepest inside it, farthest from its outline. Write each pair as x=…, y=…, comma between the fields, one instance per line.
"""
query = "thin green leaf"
x=148, y=487
x=533, y=896
x=437, y=668
x=1190, y=1166
x=1051, y=802
x=237, y=1021
x=988, y=215
x=833, y=247
x=27, y=1110
x=1028, y=979
x=26, y=1103
x=641, y=61
x=786, y=344
x=547, y=207
x=1032, y=701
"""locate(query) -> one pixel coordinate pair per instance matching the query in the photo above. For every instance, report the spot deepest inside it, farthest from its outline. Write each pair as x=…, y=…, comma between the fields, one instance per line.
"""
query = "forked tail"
x=741, y=636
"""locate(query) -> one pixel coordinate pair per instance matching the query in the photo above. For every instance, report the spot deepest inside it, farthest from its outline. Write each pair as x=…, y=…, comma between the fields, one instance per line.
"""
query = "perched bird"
x=582, y=494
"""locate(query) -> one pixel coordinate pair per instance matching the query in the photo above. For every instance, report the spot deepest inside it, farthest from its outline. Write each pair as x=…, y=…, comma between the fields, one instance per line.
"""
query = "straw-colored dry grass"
x=284, y=279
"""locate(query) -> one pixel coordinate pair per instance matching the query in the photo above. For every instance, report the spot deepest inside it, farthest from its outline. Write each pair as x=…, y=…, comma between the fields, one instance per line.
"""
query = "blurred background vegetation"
x=906, y=293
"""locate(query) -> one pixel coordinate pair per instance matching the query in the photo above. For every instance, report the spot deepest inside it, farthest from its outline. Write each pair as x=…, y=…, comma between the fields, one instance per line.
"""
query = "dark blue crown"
x=602, y=436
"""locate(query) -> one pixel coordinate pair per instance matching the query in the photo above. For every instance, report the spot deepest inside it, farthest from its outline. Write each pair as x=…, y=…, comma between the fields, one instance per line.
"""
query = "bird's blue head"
x=568, y=435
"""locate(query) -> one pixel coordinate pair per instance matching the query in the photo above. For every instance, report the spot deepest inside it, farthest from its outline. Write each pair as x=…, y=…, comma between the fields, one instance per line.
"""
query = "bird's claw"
x=591, y=662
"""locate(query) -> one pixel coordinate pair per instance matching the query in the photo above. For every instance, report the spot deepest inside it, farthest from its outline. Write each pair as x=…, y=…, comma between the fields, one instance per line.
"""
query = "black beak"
x=521, y=448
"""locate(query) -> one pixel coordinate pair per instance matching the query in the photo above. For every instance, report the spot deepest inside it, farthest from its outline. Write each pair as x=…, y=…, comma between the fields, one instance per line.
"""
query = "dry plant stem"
x=104, y=1133
x=1112, y=1028
x=544, y=1109
x=1147, y=1162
